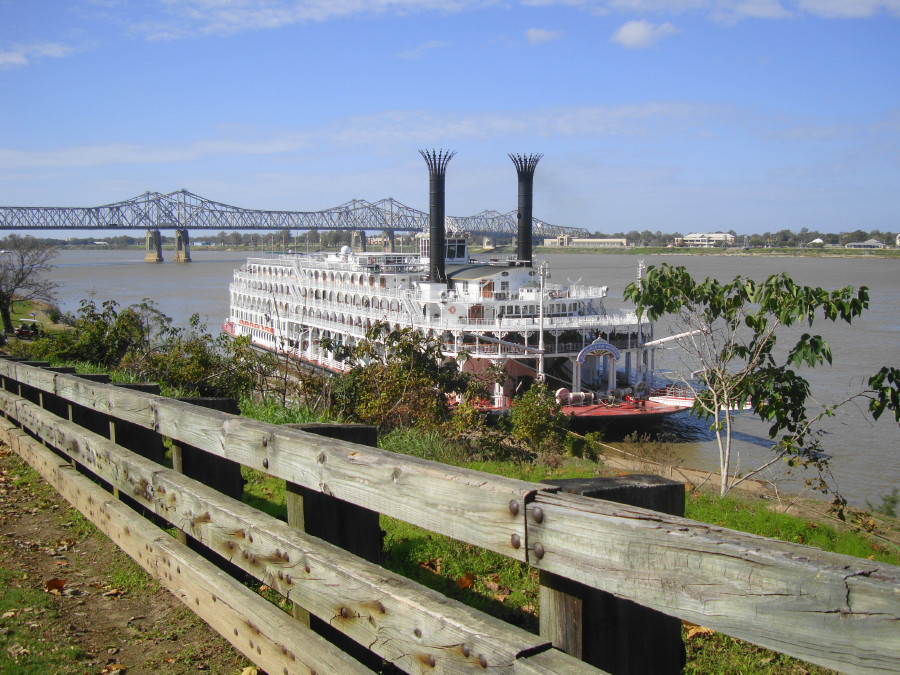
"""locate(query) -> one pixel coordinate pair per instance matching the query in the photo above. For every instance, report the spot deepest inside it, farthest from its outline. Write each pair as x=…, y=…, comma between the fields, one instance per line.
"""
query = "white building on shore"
x=870, y=243
x=566, y=240
x=708, y=240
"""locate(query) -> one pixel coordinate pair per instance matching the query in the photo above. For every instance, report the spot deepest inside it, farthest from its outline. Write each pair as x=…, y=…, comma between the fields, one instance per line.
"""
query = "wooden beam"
x=834, y=610
x=266, y=635
x=553, y=662
x=471, y=506
x=409, y=625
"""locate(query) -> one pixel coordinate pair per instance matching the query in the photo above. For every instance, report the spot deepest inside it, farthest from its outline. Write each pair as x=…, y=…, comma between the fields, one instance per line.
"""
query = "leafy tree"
x=23, y=262
x=537, y=417
x=731, y=331
x=399, y=378
x=104, y=335
x=141, y=340
x=194, y=363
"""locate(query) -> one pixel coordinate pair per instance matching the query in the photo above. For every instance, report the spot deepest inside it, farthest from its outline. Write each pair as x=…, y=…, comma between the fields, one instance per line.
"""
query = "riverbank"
x=888, y=253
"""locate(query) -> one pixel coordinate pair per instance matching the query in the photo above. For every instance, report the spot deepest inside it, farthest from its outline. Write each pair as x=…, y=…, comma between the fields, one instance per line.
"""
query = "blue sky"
x=671, y=115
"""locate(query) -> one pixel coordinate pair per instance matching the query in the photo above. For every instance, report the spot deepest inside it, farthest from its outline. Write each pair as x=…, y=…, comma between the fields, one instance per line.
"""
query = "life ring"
x=451, y=309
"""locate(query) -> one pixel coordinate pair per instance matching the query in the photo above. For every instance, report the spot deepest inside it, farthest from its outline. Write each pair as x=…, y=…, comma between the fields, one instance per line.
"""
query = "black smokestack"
x=437, y=167
x=525, y=166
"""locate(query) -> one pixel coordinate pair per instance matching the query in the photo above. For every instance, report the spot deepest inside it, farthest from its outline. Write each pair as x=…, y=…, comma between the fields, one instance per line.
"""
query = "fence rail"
x=833, y=610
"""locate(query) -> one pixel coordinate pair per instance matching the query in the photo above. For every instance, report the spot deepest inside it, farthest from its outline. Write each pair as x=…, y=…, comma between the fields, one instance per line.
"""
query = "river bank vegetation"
x=403, y=393
x=782, y=242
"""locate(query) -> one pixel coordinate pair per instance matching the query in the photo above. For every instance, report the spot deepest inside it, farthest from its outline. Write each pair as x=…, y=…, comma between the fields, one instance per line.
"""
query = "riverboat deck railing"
x=833, y=610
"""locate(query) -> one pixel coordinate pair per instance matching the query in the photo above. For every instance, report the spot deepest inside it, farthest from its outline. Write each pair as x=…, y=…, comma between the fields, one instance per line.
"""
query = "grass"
x=24, y=611
x=755, y=517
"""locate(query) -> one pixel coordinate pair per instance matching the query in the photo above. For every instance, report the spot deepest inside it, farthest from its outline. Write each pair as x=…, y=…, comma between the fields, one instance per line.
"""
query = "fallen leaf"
x=528, y=608
x=250, y=670
x=113, y=592
x=8, y=615
x=114, y=668
x=54, y=585
x=467, y=580
x=433, y=565
x=17, y=650
x=699, y=630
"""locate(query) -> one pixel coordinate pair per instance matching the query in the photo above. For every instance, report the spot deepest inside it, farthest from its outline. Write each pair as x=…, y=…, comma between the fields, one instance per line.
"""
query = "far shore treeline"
x=286, y=240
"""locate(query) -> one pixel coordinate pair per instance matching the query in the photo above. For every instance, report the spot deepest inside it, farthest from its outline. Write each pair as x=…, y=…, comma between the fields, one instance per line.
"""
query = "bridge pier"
x=359, y=236
x=153, y=247
x=388, y=236
x=182, y=246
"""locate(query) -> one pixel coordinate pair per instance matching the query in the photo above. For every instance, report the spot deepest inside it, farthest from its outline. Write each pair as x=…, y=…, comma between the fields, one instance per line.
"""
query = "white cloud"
x=850, y=8
x=422, y=49
x=642, y=34
x=183, y=18
x=758, y=9
x=536, y=36
x=389, y=129
x=176, y=19
x=733, y=10
x=21, y=55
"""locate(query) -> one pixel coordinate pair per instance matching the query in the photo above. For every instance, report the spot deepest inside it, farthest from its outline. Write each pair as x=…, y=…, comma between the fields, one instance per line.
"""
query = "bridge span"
x=183, y=210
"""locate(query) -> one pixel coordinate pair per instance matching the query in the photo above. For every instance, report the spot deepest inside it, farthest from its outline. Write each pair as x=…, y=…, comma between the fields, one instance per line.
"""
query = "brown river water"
x=865, y=454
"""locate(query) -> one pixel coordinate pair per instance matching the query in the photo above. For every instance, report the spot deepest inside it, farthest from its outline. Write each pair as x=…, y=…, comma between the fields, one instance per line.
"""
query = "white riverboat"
x=494, y=311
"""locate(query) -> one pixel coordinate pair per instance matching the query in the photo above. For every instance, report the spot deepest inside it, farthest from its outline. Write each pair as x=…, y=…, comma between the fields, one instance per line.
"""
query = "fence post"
x=87, y=418
x=613, y=634
x=145, y=442
x=353, y=528
x=219, y=473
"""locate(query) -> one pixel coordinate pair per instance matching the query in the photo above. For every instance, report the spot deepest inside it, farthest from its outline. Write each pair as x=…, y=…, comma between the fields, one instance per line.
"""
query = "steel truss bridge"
x=185, y=210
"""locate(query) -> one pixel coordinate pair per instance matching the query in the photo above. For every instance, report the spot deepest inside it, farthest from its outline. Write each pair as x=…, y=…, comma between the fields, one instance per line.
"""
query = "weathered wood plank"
x=467, y=505
x=837, y=611
x=553, y=662
x=405, y=623
x=265, y=634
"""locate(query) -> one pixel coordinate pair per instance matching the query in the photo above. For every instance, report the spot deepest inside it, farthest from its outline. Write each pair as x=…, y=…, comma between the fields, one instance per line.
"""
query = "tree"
x=398, y=379
x=23, y=262
x=730, y=334
x=537, y=417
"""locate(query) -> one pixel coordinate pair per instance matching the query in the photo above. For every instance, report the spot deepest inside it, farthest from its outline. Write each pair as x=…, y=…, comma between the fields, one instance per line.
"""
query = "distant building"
x=708, y=240
x=871, y=243
x=566, y=240
x=898, y=241
x=817, y=242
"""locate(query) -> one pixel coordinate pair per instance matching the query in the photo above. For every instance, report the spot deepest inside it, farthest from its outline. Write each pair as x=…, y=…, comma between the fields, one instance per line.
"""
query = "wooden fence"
x=833, y=610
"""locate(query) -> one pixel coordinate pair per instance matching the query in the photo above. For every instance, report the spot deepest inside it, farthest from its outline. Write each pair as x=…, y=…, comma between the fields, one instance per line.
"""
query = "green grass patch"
x=488, y=581
x=264, y=492
x=127, y=576
x=274, y=412
x=24, y=615
x=718, y=654
x=756, y=517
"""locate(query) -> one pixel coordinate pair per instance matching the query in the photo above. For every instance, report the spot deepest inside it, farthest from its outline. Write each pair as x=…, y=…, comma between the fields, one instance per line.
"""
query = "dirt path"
x=65, y=585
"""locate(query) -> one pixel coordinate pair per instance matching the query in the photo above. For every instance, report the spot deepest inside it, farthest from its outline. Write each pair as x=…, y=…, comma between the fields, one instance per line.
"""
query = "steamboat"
x=492, y=311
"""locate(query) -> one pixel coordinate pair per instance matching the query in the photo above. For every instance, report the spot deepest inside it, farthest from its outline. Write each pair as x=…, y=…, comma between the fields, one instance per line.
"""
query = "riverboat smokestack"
x=525, y=166
x=437, y=161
